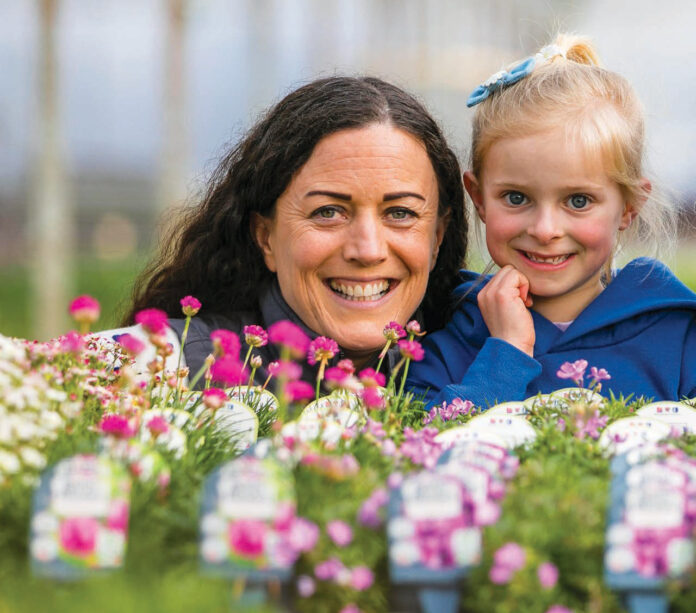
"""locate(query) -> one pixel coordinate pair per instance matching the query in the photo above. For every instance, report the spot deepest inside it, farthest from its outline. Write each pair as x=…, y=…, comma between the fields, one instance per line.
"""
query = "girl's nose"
x=365, y=242
x=546, y=224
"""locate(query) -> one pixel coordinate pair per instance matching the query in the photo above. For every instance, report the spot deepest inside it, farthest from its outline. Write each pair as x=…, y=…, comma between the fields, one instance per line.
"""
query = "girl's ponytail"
x=578, y=49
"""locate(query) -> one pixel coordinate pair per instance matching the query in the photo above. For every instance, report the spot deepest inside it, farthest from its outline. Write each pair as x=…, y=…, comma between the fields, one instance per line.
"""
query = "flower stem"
x=184, y=334
x=383, y=353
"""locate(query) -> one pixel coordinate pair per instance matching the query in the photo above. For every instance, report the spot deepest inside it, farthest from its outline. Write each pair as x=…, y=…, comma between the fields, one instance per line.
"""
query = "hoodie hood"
x=639, y=294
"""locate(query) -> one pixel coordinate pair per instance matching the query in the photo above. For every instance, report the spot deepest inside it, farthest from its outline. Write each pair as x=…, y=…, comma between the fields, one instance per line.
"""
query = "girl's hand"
x=504, y=303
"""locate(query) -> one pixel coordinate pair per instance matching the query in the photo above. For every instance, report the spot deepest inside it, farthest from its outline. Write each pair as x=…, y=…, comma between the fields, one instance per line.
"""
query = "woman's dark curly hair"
x=213, y=255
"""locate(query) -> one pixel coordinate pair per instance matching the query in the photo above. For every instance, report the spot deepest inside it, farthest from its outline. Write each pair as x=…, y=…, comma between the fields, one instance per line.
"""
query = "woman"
x=341, y=210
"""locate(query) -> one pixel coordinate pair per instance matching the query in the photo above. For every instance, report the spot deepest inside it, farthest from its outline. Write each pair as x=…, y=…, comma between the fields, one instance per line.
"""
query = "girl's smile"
x=552, y=213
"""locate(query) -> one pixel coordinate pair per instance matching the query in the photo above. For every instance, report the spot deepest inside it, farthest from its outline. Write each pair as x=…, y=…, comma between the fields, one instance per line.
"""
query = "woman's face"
x=356, y=234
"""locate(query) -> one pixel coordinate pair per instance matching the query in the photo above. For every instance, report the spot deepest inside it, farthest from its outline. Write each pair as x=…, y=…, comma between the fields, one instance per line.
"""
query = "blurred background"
x=113, y=112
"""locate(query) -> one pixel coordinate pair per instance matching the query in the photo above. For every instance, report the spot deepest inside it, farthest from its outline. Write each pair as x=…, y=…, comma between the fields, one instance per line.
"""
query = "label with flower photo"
x=676, y=414
x=508, y=408
x=460, y=435
x=515, y=431
x=629, y=432
x=254, y=397
x=431, y=536
x=236, y=420
x=560, y=399
x=79, y=522
x=248, y=520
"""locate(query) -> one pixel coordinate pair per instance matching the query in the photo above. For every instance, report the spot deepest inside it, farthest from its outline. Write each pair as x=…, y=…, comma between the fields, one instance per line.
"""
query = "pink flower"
x=413, y=327
x=157, y=425
x=131, y=344
x=190, y=306
x=548, y=575
x=411, y=350
x=339, y=532
x=573, y=370
x=321, y=349
x=296, y=391
x=369, y=377
x=346, y=366
x=255, y=336
x=226, y=342
x=247, y=537
x=557, y=608
x=329, y=569
x=228, y=370
x=84, y=309
x=393, y=331
x=72, y=342
x=153, y=320
x=116, y=425
x=285, y=369
x=369, y=512
x=336, y=376
x=214, y=398
x=303, y=535
x=511, y=556
x=306, y=586
x=361, y=578
x=118, y=516
x=598, y=375
x=290, y=336
x=350, y=608
x=421, y=447
x=500, y=574
x=372, y=398
x=78, y=535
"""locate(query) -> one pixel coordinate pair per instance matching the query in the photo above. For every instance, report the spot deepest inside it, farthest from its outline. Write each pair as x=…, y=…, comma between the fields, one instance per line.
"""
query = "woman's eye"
x=400, y=214
x=326, y=212
x=515, y=198
x=578, y=201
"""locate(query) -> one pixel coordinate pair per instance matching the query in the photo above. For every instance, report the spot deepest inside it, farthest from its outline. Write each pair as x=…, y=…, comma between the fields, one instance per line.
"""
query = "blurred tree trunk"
x=52, y=233
x=173, y=167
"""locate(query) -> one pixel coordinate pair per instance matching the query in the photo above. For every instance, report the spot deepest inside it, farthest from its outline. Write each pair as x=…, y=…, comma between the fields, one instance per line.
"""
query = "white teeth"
x=368, y=292
x=542, y=260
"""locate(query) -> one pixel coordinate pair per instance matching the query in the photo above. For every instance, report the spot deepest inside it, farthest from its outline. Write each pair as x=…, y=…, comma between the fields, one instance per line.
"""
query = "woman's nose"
x=365, y=241
x=546, y=224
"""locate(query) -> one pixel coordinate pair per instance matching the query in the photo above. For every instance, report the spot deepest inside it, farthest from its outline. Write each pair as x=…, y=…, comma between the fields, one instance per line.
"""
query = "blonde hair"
x=600, y=108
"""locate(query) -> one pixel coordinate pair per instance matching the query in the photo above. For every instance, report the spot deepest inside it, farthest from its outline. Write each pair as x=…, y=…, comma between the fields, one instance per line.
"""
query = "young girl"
x=556, y=177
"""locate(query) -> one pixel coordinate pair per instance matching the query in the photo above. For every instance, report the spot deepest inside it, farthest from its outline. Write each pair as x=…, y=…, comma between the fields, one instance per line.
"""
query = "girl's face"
x=553, y=214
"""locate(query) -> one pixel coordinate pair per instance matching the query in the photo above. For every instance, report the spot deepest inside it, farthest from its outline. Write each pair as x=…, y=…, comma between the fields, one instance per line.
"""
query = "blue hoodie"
x=641, y=329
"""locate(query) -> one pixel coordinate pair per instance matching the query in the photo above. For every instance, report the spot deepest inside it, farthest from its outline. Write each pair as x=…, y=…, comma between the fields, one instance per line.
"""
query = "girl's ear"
x=631, y=209
x=472, y=187
x=262, y=232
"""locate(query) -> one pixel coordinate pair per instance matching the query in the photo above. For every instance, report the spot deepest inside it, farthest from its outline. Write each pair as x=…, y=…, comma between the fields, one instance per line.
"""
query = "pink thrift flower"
x=500, y=574
x=286, y=370
x=153, y=321
x=369, y=377
x=157, y=425
x=557, y=608
x=247, y=537
x=413, y=327
x=511, y=555
x=78, y=535
x=573, y=370
x=548, y=575
x=336, y=376
x=214, y=398
x=329, y=569
x=116, y=425
x=393, y=331
x=225, y=342
x=228, y=370
x=84, y=309
x=561, y=424
x=411, y=350
x=72, y=342
x=321, y=349
x=118, y=516
x=303, y=535
x=190, y=306
x=395, y=480
x=339, y=532
x=350, y=608
x=255, y=336
x=388, y=448
x=290, y=336
x=306, y=586
x=131, y=344
x=296, y=391
x=361, y=578
x=346, y=366
x=372, y=398
x=375, y=428
x=598, y=375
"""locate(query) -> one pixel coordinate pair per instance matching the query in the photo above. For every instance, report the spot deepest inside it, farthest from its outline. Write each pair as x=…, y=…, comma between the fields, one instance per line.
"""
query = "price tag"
x=79, y=522
x=630, y=432
x=239, y=422
x=246, y=518
x=560, y=399
x=515, y=431
x=254, y=397
x=508, y=408
x=463, y=434
x=676, y=414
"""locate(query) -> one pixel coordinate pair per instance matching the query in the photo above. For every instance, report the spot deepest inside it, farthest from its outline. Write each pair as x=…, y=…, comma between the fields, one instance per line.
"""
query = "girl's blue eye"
x=578, y=201
x=515, y=198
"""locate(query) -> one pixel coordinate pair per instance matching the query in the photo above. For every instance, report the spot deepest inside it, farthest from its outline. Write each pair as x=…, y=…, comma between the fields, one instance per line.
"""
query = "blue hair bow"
x=501, y=79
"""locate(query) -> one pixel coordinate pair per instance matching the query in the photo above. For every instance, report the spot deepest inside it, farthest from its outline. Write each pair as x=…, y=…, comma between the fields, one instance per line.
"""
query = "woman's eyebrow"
x=398, y=195
x=337, y=195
